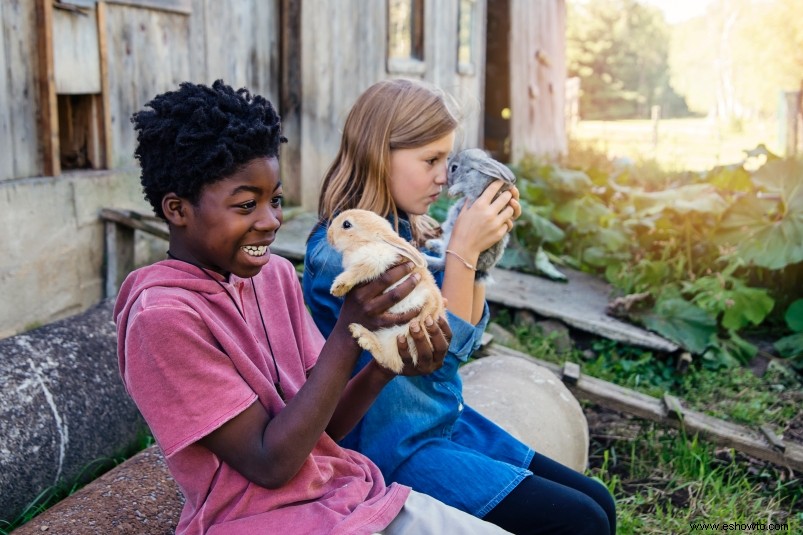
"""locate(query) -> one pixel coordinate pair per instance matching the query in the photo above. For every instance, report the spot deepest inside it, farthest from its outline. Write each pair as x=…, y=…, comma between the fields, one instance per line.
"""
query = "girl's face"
x=418, y=175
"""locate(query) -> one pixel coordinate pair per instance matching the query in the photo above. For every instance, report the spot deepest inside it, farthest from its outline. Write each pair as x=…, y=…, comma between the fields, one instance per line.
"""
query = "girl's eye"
x=432, y=161
x=277, y=201
x=248, y=205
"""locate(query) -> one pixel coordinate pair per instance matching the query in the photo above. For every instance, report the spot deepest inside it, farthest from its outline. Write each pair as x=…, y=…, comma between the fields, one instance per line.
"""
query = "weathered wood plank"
x=580, y=302
x=134, y=220
x=106, y=156
x=151, y=50
x=741, y=438
x=290, y=98
x=247, y=57
x=21, y=62
x=76, y=52
x=175, y=6
x=46, y=89
x=334, y=73
x=6, y=139
x=537, y=77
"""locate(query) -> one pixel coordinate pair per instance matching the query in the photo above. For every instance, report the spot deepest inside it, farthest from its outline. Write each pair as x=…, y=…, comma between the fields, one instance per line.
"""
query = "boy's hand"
x=430, y=354
x=367, y=305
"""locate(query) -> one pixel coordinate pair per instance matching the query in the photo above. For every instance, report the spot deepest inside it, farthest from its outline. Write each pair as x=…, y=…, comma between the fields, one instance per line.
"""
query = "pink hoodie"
x=191, y=363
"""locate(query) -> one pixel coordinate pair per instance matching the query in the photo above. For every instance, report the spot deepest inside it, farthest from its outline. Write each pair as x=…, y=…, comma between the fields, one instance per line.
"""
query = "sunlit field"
x=682, y=144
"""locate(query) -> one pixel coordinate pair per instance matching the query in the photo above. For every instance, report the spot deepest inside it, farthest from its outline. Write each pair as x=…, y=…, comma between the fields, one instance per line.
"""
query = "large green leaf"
x=569, y=180
x=767, y=228
x=699, y=198
x=790, y=346
x=685, y=324
x=543, y=227
x=739, y=304
x=794, y=316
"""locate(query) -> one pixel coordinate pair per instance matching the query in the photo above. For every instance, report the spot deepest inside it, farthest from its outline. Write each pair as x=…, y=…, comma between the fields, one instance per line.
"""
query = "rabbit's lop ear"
x=406, y=250
x=489, y=166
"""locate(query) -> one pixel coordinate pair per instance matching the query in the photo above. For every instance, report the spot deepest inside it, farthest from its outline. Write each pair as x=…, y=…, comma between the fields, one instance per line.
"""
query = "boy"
x=215, y=345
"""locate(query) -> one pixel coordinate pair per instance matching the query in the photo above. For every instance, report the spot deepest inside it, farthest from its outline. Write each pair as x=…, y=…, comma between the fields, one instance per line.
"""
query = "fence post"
x=655, y=115
x=788, y=117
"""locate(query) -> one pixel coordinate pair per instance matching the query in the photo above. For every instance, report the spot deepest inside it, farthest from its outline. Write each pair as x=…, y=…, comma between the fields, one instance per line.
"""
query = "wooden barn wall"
x=343, y=52
x=152, y=51
x=43, y=218
x=537, y=77
x=18, y=120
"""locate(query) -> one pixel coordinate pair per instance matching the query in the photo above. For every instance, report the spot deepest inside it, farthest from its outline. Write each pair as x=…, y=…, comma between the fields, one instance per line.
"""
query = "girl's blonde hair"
x=391, y=114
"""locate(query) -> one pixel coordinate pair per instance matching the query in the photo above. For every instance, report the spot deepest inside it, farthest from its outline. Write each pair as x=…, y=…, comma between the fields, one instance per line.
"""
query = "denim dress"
x=418, y=431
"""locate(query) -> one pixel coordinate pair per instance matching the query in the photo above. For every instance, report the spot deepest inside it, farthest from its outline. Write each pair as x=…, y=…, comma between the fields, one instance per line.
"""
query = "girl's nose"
x=440, y=178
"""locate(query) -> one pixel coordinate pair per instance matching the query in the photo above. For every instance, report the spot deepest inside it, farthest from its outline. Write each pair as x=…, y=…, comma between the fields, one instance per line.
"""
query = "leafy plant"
x=718, y=252
x=792, y=346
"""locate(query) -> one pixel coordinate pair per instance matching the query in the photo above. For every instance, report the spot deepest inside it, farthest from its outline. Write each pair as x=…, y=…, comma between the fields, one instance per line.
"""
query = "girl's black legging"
x=556, y=500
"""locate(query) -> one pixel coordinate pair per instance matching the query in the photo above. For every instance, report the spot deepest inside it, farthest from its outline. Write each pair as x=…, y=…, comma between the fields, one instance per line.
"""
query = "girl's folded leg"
x=556, y=500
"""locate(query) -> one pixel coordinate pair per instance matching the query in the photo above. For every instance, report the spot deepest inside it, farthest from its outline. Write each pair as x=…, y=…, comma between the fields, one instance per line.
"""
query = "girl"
x=392, y=160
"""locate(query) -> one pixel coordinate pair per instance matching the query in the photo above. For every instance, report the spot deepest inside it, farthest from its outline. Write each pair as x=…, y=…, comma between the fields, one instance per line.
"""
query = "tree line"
x=732, y=62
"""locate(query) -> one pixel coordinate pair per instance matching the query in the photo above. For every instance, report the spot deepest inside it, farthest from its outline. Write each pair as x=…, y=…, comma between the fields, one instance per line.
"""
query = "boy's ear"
x=175, y=209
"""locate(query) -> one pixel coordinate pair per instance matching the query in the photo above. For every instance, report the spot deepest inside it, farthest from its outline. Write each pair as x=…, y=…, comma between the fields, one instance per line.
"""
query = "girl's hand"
x=367, y=305
x=515, y=205
x=485, y=221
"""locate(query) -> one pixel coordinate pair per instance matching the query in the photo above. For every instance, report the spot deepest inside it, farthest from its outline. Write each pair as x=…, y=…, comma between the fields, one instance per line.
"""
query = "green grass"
x=736, y=395
x=663, y=480
x=53, y=494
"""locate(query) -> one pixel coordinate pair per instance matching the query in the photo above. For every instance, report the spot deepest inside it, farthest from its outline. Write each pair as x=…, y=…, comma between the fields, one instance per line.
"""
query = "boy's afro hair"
x=198, y=135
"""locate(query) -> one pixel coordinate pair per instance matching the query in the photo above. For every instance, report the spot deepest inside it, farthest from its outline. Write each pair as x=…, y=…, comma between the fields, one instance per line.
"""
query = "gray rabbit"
x=469, y=173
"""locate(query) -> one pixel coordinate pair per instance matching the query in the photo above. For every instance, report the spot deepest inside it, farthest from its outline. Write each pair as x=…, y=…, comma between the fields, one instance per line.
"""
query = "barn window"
x=74, y=111
x=465, y=36
x=405, y=37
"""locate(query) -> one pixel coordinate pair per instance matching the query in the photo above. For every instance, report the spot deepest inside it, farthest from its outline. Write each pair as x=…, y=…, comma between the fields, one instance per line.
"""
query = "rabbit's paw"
x=371, y=343
x=340, y=286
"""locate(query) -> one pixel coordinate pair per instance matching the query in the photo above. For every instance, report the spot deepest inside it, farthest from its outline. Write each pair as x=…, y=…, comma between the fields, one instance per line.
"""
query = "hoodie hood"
x=165, y=274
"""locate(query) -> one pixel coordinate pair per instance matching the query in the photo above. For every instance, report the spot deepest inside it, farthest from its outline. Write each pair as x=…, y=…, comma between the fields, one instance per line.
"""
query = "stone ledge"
x=138, y=497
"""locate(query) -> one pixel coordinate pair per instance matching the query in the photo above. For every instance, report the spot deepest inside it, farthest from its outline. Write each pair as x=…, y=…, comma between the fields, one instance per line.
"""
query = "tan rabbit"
x=369, y=246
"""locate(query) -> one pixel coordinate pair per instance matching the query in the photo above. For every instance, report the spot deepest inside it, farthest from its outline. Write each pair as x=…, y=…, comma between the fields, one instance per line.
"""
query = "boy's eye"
x=277, y=201
x=248, y=205
x=432, y=161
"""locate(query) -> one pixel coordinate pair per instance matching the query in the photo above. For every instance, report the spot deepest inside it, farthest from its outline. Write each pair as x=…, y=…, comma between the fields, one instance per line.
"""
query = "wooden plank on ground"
x=753, y=442
x=580, y=303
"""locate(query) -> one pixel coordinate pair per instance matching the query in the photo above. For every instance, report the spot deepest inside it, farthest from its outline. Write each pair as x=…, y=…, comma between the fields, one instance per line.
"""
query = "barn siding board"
x=19, y=21
x=242, y=45
x=198, y=44
x=151, y=51
x=334, y=72
x=537, y=85
x=76, y=51
x=6, y=139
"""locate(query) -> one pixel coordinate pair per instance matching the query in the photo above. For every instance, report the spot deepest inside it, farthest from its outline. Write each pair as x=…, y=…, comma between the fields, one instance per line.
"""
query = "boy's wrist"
x=381, y=375
x=341, y=335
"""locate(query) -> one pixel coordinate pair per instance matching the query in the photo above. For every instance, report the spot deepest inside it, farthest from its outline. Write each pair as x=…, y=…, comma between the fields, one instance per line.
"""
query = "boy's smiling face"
x=234, y=222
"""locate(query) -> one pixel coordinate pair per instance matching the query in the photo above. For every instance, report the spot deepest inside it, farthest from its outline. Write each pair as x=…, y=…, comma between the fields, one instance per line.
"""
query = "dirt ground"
x=609, y=428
